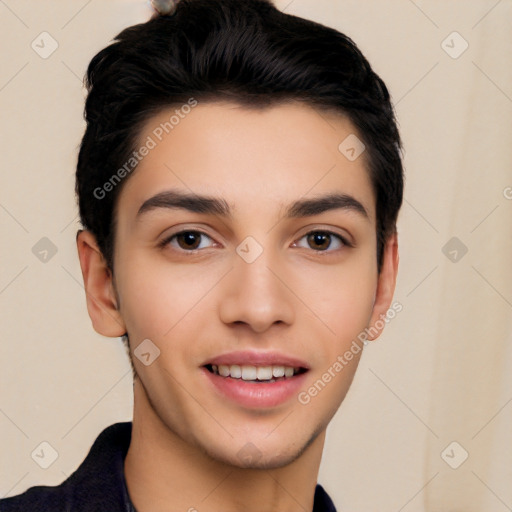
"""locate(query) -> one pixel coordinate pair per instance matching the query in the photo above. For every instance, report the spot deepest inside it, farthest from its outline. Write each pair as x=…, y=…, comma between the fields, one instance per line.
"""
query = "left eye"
x=322, y=240
x=188, y=240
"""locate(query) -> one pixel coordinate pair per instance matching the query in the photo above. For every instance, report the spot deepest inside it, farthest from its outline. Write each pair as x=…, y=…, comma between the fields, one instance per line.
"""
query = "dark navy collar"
x=99, y=483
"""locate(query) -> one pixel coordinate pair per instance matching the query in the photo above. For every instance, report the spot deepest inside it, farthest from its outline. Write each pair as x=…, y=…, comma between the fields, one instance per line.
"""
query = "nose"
x=256, y=294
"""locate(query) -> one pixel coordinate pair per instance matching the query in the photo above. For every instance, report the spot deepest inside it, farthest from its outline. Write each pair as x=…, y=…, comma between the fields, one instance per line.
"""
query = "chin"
x=260, y=455
x=252, y=458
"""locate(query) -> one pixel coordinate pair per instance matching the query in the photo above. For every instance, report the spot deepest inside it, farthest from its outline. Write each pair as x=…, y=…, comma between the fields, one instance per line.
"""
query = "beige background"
x=442, y=370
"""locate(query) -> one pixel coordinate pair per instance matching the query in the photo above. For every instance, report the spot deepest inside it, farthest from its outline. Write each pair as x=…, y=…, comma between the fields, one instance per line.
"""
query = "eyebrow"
x=174, y=199
x=318, y=205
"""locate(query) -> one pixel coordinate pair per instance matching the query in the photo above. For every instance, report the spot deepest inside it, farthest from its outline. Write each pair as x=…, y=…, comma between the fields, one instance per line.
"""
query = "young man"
x=239, y=183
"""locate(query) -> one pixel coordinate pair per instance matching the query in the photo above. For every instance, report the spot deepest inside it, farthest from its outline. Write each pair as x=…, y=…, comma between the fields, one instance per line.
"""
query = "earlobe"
x=99, y=287
x=385, y=287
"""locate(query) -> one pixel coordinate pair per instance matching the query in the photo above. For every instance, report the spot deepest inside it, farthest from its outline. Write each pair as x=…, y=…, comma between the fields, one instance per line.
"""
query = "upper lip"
x=256, y=358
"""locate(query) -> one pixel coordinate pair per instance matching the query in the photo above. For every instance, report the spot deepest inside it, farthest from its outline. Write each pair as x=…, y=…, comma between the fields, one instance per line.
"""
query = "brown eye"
x=319, y=240
x=189, y=240
x=322, y=241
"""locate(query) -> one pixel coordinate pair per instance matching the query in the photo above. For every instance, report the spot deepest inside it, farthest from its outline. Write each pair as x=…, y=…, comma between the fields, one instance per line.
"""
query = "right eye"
x=187, y=240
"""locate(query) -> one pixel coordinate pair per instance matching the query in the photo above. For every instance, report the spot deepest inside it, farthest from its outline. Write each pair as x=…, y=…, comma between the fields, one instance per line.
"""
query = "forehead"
x=256, y=159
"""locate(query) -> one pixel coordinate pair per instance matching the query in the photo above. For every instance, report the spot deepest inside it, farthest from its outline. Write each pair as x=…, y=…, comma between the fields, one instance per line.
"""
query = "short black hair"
x=247, y=52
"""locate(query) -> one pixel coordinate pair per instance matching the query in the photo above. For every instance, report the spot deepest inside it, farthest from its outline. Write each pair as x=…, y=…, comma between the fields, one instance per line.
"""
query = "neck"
x=163, y=472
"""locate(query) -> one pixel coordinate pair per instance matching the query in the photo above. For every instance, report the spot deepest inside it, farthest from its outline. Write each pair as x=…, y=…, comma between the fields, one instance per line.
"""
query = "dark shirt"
x=98, y=485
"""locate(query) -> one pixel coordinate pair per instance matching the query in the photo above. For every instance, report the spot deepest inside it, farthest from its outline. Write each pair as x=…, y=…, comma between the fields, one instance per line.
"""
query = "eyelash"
x=342, y=239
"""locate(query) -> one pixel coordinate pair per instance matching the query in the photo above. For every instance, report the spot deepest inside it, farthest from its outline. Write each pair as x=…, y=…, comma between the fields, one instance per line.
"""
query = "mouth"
x=256, y=374
x=255, y=380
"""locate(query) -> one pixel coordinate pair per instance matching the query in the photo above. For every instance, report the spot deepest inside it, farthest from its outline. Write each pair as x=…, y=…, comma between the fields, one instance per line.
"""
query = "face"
x=246, y=249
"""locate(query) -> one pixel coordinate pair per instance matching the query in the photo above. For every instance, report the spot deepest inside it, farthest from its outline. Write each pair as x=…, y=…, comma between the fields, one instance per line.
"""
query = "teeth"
x=278, y=371
x=249, y=373
x=264, y=372
x=223, y=370
x=253, y=373
x=235, y=371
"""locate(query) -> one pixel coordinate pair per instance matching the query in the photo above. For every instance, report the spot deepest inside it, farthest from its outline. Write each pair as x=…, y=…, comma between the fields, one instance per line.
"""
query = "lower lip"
x=257, y=395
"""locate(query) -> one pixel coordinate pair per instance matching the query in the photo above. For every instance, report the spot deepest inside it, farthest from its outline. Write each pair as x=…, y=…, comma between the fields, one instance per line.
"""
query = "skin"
x=294, y=298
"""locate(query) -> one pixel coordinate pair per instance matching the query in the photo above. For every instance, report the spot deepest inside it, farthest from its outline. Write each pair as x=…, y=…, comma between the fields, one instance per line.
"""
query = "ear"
x=385, y=287
x=99, y=287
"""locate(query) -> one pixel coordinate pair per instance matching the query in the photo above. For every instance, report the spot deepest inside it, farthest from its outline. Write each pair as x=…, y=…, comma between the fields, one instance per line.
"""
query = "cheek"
x=144, y=301
x=341, y=296
x=354, y=304
x=158, y=299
